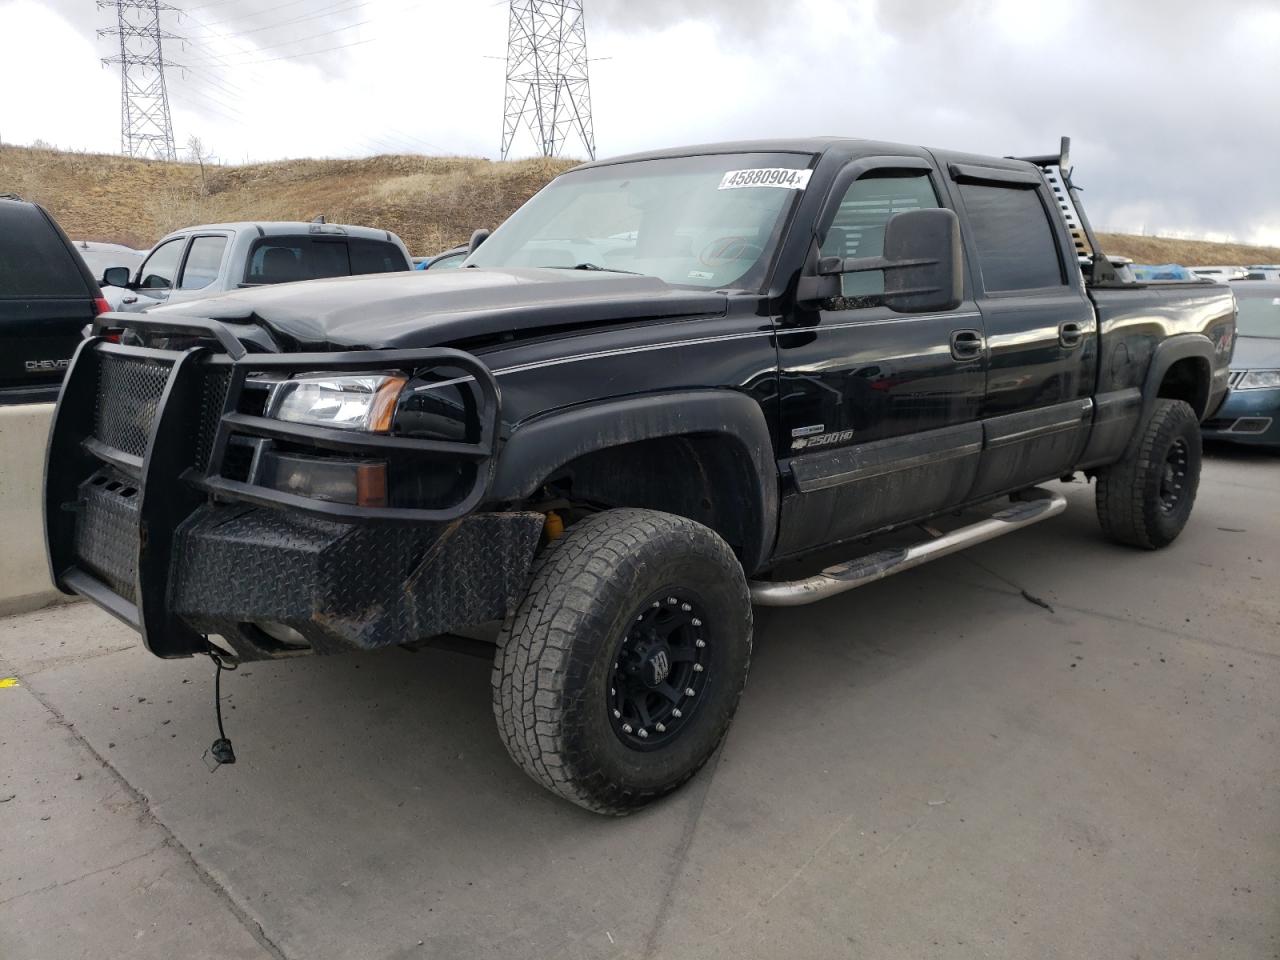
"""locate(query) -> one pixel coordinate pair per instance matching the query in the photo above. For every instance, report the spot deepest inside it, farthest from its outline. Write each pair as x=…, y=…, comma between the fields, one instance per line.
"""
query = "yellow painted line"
x=8, y=682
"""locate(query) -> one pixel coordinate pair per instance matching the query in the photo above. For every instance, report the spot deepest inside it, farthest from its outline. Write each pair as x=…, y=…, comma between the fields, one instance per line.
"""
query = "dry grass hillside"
x=432, y=202
x=1190, y=253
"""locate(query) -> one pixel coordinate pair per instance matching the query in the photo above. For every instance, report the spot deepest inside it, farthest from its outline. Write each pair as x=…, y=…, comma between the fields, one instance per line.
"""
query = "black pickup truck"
x=661, y=378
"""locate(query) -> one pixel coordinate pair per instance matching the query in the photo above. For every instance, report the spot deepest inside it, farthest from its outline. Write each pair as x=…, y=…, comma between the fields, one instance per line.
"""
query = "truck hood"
x=424, y=308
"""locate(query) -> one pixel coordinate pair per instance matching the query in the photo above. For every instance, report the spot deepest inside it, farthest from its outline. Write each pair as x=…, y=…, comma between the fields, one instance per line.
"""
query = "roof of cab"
x=850, y=146
x=278, y=228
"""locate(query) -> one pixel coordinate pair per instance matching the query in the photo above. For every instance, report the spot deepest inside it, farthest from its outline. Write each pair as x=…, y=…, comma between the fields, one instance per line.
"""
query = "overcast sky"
x=1171, y=104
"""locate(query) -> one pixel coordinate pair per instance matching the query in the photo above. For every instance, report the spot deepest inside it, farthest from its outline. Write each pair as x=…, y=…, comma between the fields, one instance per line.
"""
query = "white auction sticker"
x=766, y=177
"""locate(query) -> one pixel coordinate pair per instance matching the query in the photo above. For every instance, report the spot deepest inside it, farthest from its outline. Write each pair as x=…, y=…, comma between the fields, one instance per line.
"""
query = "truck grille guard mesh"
x=132, y=419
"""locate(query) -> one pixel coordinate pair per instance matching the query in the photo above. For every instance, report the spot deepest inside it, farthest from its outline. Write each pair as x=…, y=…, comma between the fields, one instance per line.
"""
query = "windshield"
x=709, y=221
x=1259, y=316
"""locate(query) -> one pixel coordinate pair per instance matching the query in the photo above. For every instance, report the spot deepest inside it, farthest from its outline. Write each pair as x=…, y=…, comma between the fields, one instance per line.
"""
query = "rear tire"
x=1145, y=499
x=616, y=678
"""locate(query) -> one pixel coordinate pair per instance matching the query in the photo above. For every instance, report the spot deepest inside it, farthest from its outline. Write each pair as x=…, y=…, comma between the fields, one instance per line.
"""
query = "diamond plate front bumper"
x=343, y=586
x=147, y=514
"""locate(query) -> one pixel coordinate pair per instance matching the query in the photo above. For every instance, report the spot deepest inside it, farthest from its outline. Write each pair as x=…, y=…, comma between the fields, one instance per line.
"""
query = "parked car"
x=731, y=356
x=1251, y=412
x=448, y=260
x=98, y=257
x=47, y=295
x=198, y=262
x=1263, y=271
x=1221, y=274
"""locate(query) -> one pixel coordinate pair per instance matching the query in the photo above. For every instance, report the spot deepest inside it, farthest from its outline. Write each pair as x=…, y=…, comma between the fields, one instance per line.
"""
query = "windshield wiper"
x=596, y=266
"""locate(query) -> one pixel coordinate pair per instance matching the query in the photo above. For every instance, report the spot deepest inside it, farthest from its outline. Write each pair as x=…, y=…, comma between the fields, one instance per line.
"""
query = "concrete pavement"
x=932, y=766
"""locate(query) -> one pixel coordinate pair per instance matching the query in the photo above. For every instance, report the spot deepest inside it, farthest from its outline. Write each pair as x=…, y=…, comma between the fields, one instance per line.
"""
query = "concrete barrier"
x=24, y=575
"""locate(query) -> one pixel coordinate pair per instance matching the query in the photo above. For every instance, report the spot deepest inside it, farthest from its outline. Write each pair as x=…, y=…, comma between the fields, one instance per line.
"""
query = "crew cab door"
x=1042, y=336
x=879, y=409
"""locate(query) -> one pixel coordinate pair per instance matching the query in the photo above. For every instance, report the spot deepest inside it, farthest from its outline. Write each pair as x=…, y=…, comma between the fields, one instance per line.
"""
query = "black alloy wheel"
x=660, y=673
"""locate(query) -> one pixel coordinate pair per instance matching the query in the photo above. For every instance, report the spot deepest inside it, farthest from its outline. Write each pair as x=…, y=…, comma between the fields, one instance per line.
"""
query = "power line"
x=313, y=36
x=309, y=53
x=252, y=14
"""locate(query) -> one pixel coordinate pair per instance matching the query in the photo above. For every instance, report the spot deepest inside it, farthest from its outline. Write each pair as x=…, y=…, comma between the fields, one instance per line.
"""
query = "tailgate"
x=37, y=339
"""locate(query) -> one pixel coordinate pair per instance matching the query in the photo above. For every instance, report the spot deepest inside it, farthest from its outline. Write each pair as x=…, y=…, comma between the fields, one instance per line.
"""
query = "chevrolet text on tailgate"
x=658, y=380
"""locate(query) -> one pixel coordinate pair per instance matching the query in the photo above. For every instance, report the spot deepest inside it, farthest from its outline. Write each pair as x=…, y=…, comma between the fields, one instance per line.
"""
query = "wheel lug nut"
x=672, y=600
x=689, y=691
x=699, y=643
x=656, y=604
x=676, y=713
x=697, y=668
x=660, y=727
x=644, y=734
x=685, y=607
x=696, y=622
x=626, y=728
x=617, y=714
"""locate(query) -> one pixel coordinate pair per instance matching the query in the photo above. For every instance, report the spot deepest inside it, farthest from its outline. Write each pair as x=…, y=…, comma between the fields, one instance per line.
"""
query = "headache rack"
x=1057, y=170
x=144, y=434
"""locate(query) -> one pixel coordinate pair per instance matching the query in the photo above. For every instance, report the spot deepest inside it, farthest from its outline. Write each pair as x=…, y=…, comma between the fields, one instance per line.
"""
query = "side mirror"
x=115, y=277
x=922, y=264
x=477, y=238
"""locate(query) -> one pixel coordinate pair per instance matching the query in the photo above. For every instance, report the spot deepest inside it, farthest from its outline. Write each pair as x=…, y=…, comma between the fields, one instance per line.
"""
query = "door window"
x=858, y=227
x=203, y=262
x=162, y=266
x=1013, y=238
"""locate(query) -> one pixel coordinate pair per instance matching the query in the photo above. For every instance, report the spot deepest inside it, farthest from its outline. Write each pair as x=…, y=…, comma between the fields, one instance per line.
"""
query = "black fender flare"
x=1180, y=347
x=540, y=446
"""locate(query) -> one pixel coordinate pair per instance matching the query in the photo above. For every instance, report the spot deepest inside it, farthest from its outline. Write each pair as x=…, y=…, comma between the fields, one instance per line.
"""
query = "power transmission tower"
x=146, y=129
x=547, y=87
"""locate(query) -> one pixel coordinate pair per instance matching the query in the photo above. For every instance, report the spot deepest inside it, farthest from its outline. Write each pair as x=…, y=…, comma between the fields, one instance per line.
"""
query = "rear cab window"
x=287, y=259
x=375, y=256
x=34, y=260
x=1014, y=241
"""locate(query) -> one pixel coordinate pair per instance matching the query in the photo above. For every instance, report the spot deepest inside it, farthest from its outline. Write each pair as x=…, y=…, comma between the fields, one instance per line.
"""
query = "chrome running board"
x=884, y=563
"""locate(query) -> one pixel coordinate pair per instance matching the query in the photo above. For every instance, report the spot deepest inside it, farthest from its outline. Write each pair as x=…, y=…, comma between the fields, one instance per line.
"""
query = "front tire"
x=1145, y=499
x=617, y=676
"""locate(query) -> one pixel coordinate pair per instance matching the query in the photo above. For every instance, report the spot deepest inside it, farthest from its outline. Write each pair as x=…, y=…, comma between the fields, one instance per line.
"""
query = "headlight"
x=364, y=401
x=1259, y=379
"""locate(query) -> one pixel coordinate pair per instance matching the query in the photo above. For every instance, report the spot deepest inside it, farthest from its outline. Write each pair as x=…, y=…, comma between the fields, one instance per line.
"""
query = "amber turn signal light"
x=383, y=409
x=371, y=485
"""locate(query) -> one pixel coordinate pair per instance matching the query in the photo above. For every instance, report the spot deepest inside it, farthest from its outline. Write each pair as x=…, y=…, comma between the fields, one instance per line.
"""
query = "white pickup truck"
x=213, y=258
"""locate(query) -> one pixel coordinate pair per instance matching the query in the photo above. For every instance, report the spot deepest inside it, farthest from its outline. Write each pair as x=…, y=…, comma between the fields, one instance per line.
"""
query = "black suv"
x=47, y=295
